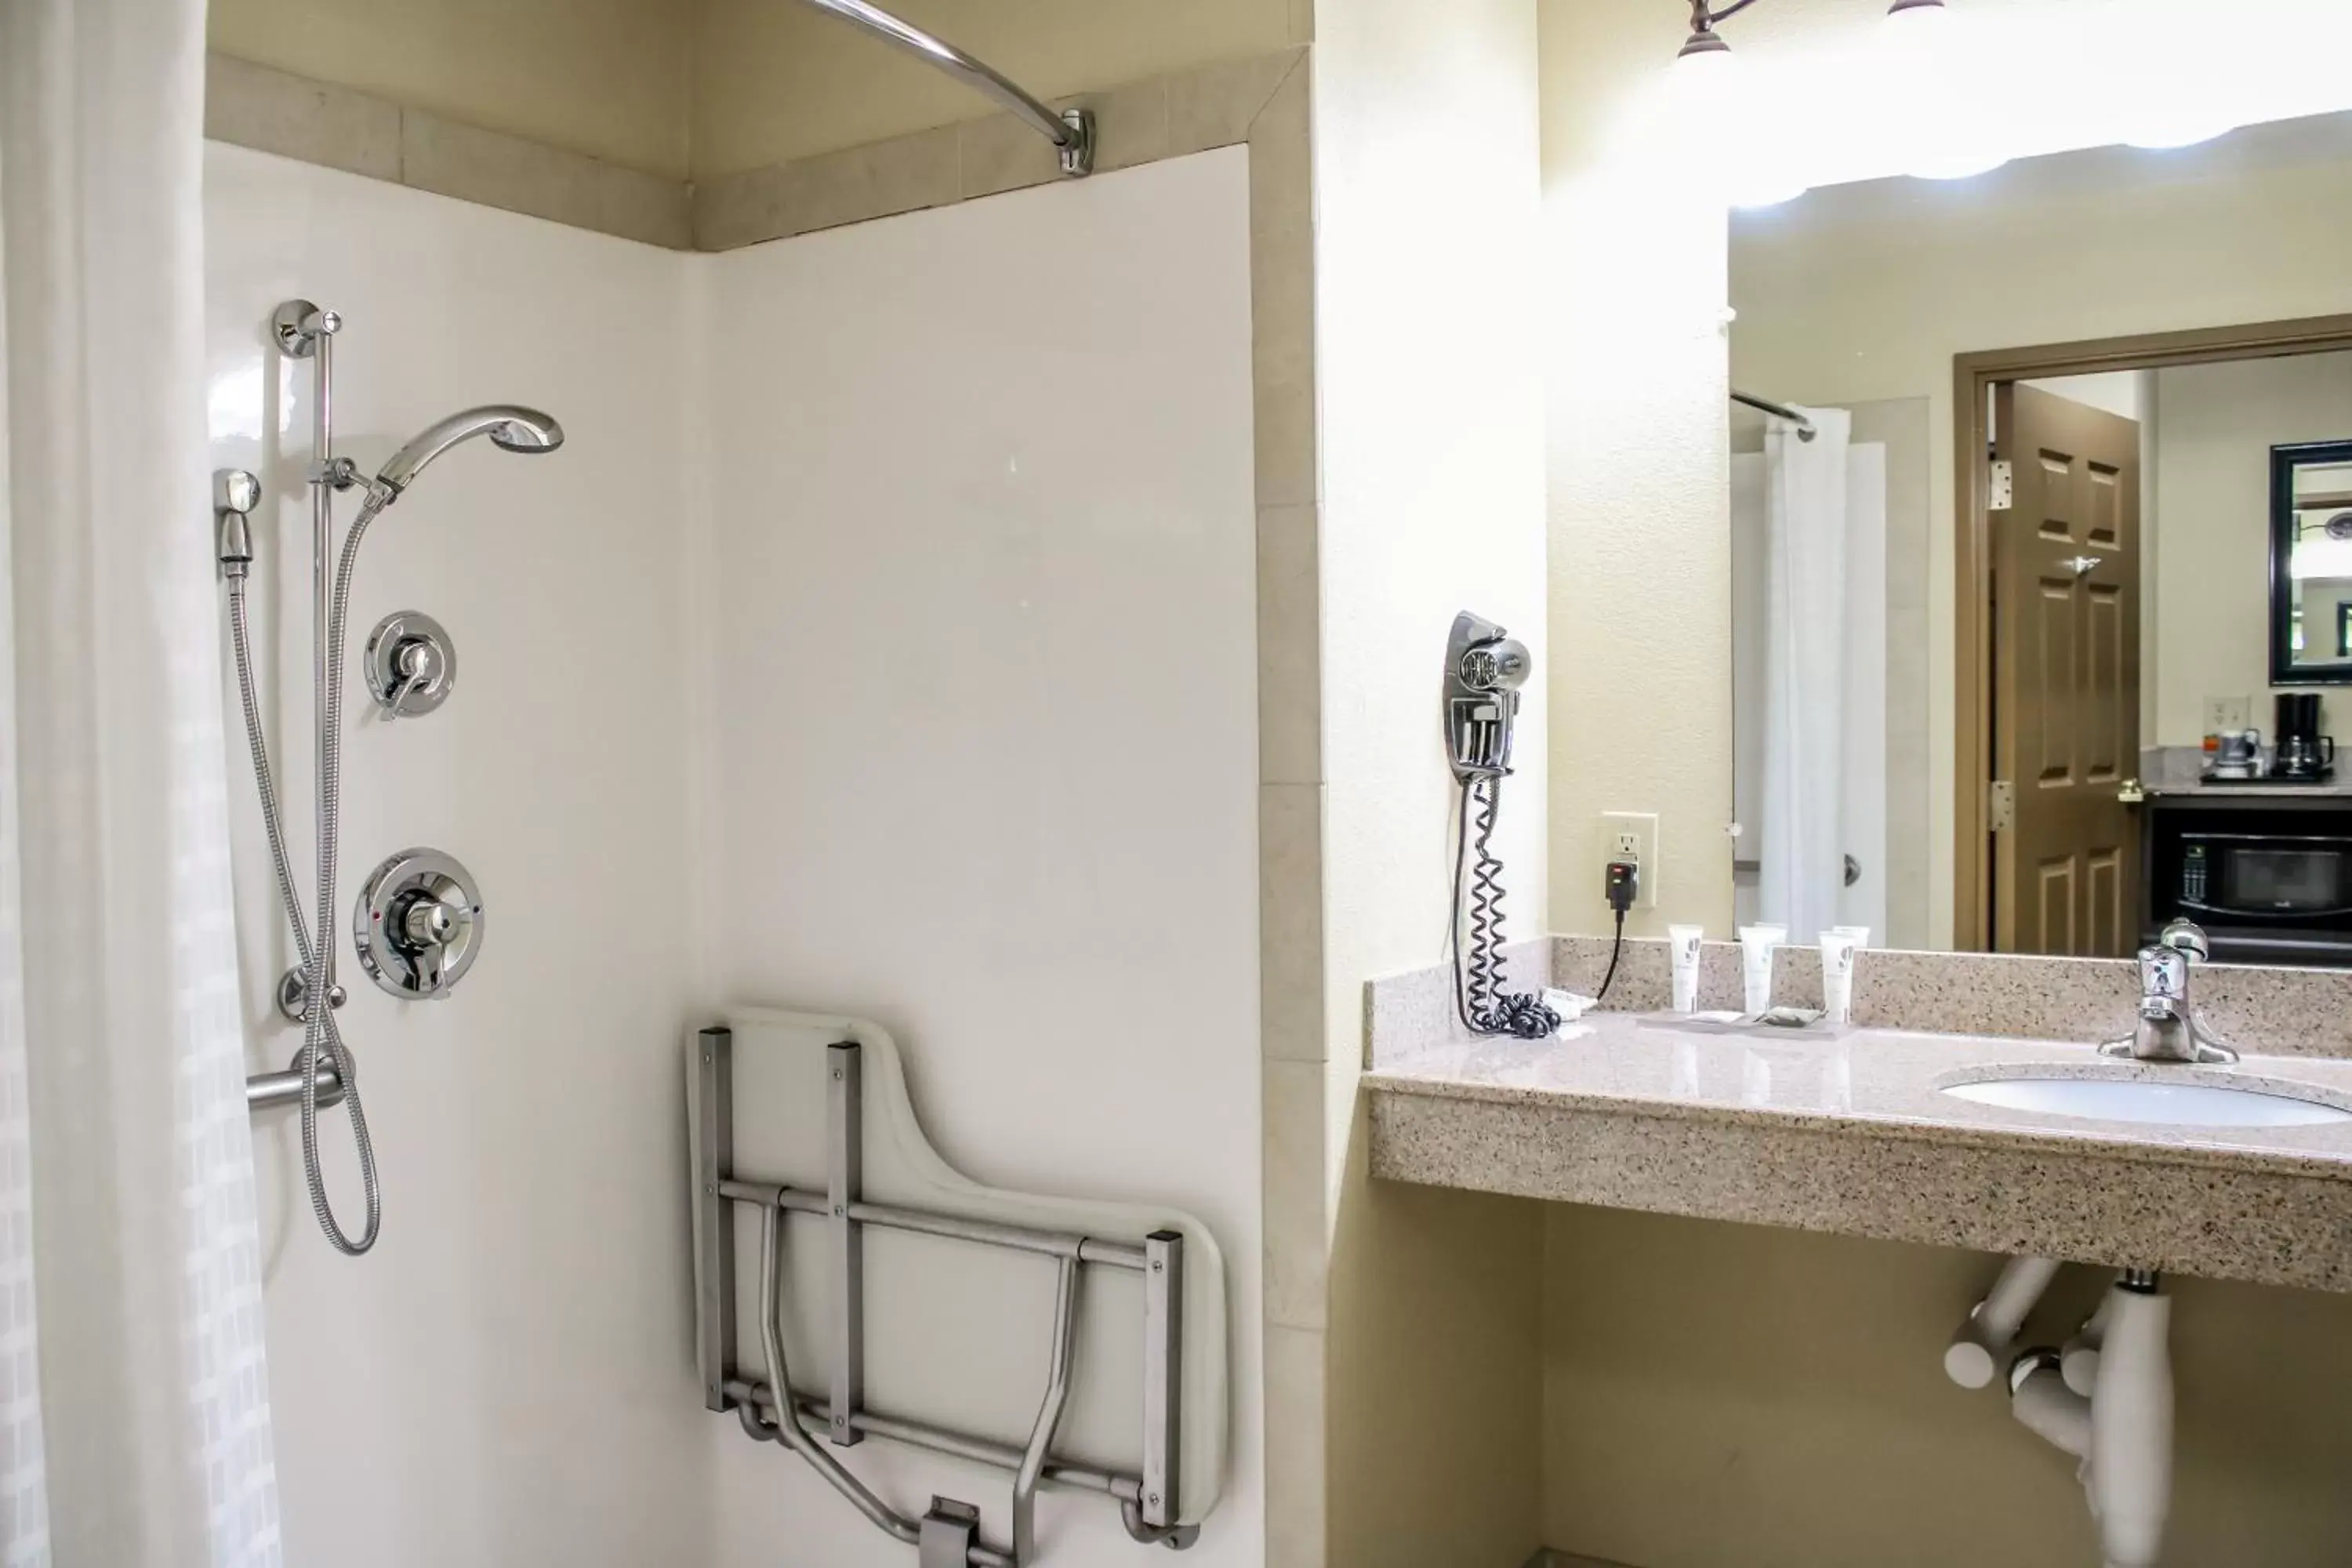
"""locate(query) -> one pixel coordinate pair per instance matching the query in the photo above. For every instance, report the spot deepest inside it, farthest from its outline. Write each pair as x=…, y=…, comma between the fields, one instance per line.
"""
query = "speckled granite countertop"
x=1852, y=1135
x=2255, y=789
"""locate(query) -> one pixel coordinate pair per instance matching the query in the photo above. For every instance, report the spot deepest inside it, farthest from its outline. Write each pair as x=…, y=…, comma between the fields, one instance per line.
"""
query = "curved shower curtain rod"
x=1071, y=130
x=1805, y=429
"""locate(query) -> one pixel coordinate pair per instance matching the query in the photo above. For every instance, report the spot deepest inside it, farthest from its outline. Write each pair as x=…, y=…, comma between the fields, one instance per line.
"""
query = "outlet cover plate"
x=1633, y=835
x=2228, y=713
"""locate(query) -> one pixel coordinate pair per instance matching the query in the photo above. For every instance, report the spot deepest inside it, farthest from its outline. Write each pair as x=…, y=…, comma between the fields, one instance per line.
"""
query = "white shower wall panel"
x=980, y=609
x=506, y=1379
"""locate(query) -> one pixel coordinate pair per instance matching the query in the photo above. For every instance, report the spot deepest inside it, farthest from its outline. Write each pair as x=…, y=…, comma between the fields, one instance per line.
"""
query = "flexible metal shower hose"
x=322, y=1040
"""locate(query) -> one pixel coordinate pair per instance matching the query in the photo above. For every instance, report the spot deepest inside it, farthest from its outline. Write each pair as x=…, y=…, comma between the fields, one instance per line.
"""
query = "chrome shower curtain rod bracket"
x=1071, y=130
x=1077, y=154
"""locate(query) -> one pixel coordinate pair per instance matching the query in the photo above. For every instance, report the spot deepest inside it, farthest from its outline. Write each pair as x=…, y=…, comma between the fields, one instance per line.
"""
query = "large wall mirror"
x=2043, y=575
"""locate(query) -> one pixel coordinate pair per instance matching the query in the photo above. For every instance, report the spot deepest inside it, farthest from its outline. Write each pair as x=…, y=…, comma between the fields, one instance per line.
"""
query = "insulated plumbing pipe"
x=2131, y=1423
x=1980, y=1346
x=2039, y=1398
x=2079, y=1359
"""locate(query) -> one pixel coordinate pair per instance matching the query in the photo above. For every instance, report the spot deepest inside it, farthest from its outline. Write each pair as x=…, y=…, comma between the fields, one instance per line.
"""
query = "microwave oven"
x=2263, y=879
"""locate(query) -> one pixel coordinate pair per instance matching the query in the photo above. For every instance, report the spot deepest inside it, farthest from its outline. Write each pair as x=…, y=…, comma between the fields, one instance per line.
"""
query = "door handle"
x=2083, y=566
x=2130, y=791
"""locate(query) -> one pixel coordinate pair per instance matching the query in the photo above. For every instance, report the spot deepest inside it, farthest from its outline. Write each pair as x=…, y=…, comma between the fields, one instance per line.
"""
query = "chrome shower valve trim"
x=418, y=923
x=410, y=663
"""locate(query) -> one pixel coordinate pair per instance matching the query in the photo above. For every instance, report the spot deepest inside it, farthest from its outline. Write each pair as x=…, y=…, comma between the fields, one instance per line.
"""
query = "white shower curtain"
x=1803, y=863
x=134, y=1417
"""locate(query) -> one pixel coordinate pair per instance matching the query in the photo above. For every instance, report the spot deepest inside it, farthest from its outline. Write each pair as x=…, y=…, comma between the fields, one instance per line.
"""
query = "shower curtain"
x=1803, y=863
x=134, y=1417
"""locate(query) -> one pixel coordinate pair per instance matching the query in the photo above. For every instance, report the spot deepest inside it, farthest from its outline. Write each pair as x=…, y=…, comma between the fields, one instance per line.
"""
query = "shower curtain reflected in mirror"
x=134, y=1417
x=1809, y=530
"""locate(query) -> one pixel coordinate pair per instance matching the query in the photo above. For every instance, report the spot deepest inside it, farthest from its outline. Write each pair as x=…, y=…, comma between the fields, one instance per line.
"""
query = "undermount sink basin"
x=2137, y=1099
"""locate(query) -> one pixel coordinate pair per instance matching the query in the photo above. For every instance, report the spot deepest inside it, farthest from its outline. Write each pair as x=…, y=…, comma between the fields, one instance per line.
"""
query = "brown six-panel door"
x=2066, y=655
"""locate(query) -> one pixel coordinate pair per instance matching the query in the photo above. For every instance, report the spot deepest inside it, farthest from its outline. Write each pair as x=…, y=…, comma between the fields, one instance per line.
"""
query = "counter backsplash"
x=2263, y=1012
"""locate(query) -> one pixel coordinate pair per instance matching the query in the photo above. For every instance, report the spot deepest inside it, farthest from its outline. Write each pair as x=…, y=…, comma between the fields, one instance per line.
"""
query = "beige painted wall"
x=607, y=78
x=1867, y=291
x=1639, y=511
x=1732, y=1396
x=1433, y=487
x=2215, y=427
x=773, y=79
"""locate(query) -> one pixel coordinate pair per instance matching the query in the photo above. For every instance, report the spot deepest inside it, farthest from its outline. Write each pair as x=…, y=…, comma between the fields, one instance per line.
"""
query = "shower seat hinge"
x=950, y=1533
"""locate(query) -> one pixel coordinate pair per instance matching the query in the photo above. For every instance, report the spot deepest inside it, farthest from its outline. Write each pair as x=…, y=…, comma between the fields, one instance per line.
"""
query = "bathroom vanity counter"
x=1852, y=1134
x=2270, y=791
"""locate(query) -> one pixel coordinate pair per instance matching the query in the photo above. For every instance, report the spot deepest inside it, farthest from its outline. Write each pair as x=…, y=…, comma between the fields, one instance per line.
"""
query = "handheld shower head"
x=508, y=425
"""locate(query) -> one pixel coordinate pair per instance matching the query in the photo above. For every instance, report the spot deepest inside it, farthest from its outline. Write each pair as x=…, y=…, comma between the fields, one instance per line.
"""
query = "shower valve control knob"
x=411, y=664
x=418, y=923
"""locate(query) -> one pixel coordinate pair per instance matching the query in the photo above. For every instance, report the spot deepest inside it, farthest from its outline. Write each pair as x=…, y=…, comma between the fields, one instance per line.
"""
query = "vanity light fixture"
x=1705, y=43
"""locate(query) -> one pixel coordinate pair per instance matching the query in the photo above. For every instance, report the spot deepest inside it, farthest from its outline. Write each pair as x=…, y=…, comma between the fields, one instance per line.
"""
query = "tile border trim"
x=1139, y=122
x=336, y=127
x=1166, y=116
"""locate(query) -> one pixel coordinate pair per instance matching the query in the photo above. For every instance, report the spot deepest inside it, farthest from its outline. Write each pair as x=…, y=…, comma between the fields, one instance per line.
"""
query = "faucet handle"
x=2163, y=976
x=2186, y=937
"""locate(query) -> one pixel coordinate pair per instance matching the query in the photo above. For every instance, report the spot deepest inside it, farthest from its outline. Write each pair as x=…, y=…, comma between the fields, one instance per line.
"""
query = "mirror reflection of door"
x=2066, y=677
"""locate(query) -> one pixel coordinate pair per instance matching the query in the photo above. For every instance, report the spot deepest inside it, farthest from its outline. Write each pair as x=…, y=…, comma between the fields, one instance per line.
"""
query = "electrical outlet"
x=2228, y=713
x=1633, y=835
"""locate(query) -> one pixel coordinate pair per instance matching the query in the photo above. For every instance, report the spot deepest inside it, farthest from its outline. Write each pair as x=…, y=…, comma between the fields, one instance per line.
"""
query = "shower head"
x=508, y=425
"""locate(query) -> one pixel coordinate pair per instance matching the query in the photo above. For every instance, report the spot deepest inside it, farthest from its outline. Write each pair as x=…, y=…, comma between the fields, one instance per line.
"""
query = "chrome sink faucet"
x=2167, y=1029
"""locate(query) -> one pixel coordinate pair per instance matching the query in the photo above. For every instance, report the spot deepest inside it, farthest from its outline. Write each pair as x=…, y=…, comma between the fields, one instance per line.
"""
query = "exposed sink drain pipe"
x=2106, y=1398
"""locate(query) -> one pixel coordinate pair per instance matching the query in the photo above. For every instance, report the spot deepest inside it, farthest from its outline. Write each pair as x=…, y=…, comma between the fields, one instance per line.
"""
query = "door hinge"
x=2001, y=494
x=2000, y=807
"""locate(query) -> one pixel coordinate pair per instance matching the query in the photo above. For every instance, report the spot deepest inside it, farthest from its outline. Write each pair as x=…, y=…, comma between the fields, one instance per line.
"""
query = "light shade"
x=1704, y=43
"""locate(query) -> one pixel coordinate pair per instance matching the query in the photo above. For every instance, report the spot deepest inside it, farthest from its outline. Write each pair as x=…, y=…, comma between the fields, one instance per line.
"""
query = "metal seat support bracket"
x=949, y=1535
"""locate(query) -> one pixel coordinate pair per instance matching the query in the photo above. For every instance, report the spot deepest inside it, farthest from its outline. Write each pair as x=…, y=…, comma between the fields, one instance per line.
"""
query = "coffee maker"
x=2304, y=755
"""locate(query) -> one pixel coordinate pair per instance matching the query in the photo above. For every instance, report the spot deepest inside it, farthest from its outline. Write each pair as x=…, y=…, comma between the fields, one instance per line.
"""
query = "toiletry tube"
x=1839, y=945
x=1756, y=945
x=1682, y=942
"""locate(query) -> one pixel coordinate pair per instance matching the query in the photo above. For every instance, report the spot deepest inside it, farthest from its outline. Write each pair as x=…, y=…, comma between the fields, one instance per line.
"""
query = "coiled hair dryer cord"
x=1479, y=1001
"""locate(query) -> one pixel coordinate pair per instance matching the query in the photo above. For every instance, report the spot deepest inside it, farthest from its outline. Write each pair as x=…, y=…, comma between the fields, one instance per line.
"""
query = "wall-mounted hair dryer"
x=1485, y=669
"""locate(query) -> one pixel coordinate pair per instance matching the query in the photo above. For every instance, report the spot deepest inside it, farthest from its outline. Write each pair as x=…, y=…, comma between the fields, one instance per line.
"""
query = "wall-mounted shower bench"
x=868, y=1120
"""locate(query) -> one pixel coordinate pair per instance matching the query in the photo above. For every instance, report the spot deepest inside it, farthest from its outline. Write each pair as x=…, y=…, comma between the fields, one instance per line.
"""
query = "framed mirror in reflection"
x=2311, y=563
x=2042, y=601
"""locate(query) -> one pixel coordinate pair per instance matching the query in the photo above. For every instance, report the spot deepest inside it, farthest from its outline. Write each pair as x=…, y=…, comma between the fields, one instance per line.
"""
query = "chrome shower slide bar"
x=771, y=1411
x=1071, y=130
